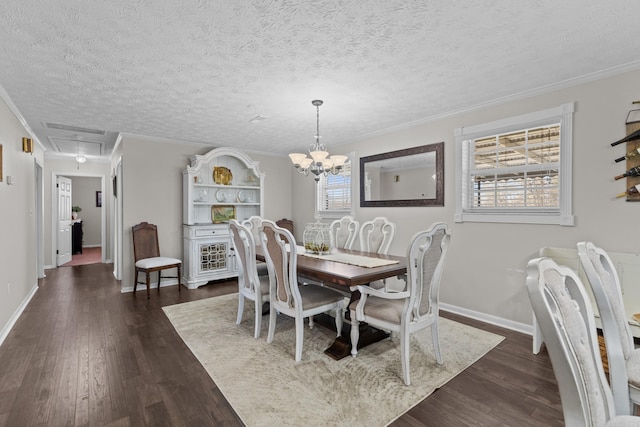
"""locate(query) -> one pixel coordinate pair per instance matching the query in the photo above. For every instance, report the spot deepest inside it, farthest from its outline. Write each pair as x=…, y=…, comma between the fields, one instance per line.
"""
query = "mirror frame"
x=437, y=201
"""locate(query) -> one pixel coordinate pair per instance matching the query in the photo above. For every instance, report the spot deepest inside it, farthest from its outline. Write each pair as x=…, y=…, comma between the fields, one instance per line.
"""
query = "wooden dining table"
x=345, y=277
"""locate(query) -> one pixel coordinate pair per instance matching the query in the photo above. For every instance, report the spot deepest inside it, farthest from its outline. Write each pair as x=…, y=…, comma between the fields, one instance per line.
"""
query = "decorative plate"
x=222, y=196
x=244, y=197
x=222, y=175
x=200, y=195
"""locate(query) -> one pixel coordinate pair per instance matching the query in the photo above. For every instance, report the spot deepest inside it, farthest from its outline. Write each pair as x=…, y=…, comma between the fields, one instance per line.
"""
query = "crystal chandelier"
x=319, y=163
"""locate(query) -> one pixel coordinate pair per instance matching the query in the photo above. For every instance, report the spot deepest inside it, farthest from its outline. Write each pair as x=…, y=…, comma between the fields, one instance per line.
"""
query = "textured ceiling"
x=202, y=70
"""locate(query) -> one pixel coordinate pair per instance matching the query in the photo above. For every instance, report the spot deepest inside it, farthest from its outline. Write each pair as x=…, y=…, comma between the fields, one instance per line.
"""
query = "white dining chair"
x=251, y=286
x=286, y=297
x=344, y=232
x=565, y=316
x=622, y=356
x=414, y=309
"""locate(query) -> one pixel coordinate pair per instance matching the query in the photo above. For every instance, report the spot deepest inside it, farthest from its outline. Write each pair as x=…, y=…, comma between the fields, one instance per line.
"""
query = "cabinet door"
x=214, y=257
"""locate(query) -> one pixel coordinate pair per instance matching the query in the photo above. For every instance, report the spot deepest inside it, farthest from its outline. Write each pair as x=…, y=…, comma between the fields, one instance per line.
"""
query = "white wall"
x=18, y=268
x=152, y=191
x=484, y=271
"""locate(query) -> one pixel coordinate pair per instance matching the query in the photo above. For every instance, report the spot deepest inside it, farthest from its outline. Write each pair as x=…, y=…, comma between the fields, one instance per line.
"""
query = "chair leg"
x=404, y=355
x=135, y=281
x=258, y=321
x=299, y=337
x=159, y=278
x=355, y=333
x=436, y=341
x=310, y=322
x=339, y=315
x=148, y=285
x=272, y=323
x=240, y=308
x=179, y=278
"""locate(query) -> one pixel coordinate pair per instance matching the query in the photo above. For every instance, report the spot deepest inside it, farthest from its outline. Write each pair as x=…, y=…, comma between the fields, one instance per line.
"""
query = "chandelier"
x=319, y=163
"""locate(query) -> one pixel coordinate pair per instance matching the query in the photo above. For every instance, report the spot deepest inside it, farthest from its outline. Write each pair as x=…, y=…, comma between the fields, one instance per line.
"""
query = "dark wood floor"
x=85, y=354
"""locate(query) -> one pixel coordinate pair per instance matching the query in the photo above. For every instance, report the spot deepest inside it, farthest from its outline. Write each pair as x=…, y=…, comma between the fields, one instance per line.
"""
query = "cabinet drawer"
x=206, y=232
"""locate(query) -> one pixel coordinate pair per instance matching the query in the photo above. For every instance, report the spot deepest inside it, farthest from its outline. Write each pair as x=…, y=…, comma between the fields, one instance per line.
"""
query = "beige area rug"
x=267, y=387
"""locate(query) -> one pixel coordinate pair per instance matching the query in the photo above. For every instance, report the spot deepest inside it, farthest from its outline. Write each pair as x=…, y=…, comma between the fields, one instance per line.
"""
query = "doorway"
x=86, y=194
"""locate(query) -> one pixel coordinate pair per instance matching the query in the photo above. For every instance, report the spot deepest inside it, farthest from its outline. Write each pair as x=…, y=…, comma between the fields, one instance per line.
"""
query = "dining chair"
x=254, y=223
x=251, y=286
x=286, y=297
x=146, y=254
x=344, y=232
x=622, y=356
x=376, y=236
x=565, y=316
x=415, y=308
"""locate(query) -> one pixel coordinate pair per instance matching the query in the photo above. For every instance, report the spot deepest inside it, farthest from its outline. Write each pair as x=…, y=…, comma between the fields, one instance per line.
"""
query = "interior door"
x=64, y=220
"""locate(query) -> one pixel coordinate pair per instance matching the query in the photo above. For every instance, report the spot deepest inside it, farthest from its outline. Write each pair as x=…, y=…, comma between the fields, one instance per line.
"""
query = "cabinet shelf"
x=233, y=187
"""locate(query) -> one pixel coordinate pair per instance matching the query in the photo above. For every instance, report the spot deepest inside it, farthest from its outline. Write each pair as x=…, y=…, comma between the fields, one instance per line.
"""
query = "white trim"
x=562, y=114
x=16, y=315
x=488, y=318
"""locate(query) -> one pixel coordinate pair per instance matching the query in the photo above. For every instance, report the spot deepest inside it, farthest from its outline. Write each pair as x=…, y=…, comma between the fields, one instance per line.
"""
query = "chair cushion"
x=389, y=310
x=314, y=296
x=157, y=262
x=633, y=369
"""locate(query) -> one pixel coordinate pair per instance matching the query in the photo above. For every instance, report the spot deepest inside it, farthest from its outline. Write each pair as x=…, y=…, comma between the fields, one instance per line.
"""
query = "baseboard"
x=487, y=318
x=16, y=315
x=143, y=287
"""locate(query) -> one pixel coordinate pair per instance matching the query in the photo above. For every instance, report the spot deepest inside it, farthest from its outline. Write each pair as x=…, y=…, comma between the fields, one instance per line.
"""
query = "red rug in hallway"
x=88, y=256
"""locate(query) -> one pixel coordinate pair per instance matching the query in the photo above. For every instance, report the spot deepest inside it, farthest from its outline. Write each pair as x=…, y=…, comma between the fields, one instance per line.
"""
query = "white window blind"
x=334, y=193
x=517, y=169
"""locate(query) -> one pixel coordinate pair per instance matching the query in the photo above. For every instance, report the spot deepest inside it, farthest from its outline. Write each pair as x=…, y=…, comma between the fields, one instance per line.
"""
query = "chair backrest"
x=280, y=253
x=565, y=316
x=376, y=235
x=254, y=223
x=245, y=250
x=285, y=223
x=425, y=255
x=145, y=241
x=607, y=291
x=344, y=232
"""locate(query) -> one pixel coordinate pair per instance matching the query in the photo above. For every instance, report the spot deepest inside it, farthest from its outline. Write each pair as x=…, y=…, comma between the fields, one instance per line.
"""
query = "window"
x=333, y=193
x=516, y=170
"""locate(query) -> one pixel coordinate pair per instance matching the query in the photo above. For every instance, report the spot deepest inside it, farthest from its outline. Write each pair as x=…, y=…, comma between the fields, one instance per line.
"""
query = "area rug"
x=266, y=387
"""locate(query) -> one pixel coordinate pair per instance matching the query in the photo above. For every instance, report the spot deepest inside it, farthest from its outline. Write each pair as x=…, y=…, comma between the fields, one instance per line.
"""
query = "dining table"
x=344, y=270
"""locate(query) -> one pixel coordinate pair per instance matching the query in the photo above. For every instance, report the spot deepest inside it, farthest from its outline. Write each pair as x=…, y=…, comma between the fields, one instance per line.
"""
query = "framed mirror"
x=409, y=177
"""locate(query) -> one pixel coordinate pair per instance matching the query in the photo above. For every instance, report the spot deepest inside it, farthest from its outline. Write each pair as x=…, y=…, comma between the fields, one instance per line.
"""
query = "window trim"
x=337, y=214
x=562, y=114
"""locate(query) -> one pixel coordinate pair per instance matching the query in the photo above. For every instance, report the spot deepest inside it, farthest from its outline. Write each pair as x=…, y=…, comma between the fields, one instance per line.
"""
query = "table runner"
x=359, y=260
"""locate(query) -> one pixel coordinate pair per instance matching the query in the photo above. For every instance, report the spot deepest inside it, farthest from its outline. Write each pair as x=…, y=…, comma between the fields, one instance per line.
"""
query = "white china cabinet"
x=218, y=186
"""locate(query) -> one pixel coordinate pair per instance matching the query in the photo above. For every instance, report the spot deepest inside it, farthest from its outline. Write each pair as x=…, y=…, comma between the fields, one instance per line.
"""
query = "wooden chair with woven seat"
x=146, y=253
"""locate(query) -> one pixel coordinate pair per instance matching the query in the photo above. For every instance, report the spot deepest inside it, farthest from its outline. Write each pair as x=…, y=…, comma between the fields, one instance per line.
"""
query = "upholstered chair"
x=376, y=235
x=254, y=223
x=251, y=286
x=565, y=316
x=344, y=232
x=622, y=356
x=286, y=297
x=414, y=309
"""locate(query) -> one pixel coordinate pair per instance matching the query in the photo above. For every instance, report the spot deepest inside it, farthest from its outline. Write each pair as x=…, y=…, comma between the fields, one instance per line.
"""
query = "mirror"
x=409, y=177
